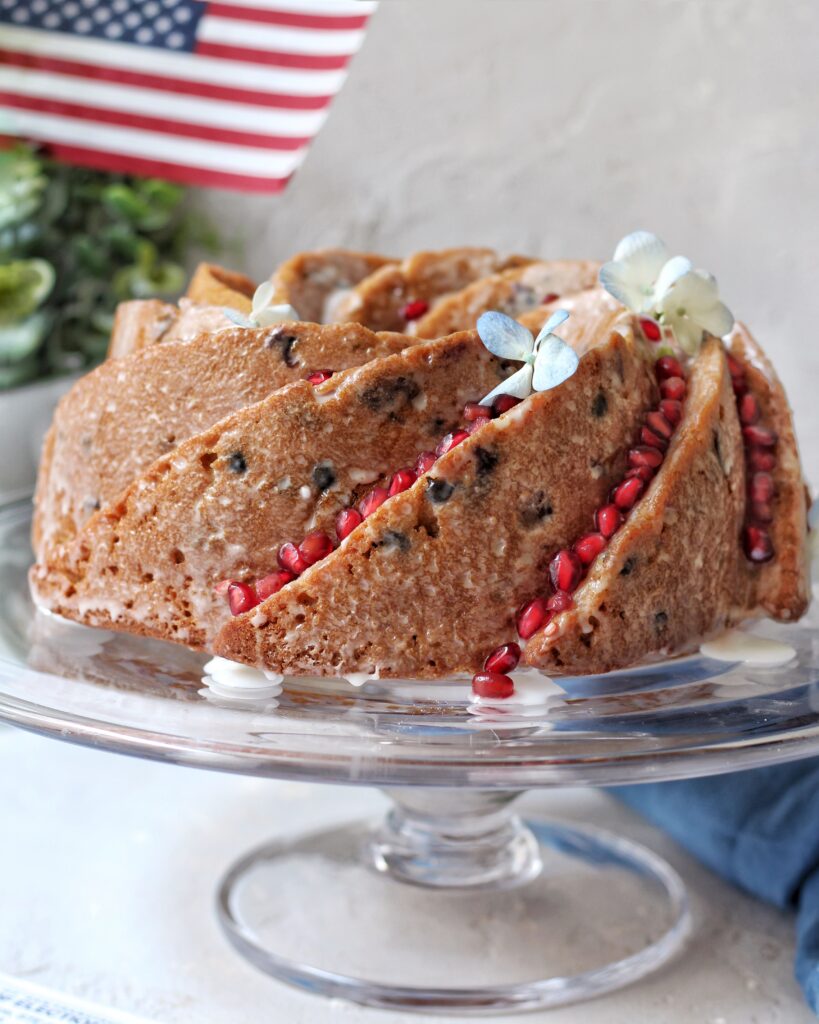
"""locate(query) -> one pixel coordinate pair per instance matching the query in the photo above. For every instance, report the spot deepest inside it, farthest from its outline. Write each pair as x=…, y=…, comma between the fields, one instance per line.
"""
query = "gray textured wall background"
x=556, y=126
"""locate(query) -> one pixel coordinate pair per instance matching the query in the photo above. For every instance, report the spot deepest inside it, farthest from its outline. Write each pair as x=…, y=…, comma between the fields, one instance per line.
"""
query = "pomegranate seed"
x=761, y=461
x=290, y=558
x=477, y=424
x=551, y=297
x=319, y=376
x=451, y=441
x=414, y=309
x=672, y=410
x=628, y=492
x=668, y=366
x=652, y=440
x=608, y=520
x=223, y=586
x=761, y=487
x=273, y=583
x=565, y=570
x=650, y=328
x=673, y=388
x=532, y=617
x=346, y=521
x=560, y=602
x=241, y=598
x=315, y=546
x=401, y=481
x=474, y=410
x=757, y=543
x=748, y=408
x=493, y=685
x=761, y=512
x=503, y=659
x=759, y=437
x=657, y=422
x=589, y=546
x=739, y=386
x=645, y=455
x=503, y=403
x=424, y=463
x=735, y=367
x=375, y=499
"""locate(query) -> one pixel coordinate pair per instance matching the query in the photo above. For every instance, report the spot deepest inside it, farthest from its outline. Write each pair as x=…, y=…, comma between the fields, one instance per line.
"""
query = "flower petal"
x=560, y=316
x=238, y=318
x=718, y=320
x=262, y=295
x=556, y=361
x=643, y=252
x=519, y=385
x=617, y=281
x=505, y=337
x=673, y=269
x=274, y=315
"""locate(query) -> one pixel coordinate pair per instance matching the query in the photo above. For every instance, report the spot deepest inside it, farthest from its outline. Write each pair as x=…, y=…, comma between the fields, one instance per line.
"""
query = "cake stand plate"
x=452, y=885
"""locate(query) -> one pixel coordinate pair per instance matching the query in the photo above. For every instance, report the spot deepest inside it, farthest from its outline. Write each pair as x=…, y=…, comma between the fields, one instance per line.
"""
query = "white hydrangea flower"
x=262, y=314
x=671, y=290
x=547, y=359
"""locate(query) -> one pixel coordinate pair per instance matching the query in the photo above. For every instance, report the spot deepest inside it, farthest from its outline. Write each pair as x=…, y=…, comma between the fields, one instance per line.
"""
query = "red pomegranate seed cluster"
x=760, y=462
x=569, y=565
x=294, y=559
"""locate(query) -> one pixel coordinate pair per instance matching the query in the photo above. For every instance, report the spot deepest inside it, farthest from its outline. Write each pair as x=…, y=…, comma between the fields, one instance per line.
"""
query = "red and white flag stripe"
x=239, y=111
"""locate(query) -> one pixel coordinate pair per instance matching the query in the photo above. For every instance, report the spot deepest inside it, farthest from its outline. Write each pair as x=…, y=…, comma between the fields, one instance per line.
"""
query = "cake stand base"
x=453, y=905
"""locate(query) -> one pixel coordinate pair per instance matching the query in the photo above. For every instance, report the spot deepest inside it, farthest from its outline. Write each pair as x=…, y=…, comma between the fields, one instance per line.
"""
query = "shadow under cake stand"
x=451, y=887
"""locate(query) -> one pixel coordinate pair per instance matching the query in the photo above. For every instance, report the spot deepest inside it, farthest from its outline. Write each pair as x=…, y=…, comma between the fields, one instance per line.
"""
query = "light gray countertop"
x=109, y=865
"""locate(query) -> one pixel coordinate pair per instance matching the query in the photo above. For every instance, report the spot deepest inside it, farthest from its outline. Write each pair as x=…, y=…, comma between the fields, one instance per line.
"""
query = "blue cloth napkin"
x=758, y=829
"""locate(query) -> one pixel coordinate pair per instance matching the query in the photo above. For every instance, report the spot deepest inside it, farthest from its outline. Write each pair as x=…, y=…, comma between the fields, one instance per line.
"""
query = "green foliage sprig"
x=73, y=244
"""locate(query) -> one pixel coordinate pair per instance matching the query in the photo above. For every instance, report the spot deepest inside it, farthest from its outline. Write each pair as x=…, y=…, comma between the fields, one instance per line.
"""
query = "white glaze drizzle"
x=736, y=645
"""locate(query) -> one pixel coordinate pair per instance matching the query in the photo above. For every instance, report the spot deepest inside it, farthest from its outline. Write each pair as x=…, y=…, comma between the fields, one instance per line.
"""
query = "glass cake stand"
x=451, y=903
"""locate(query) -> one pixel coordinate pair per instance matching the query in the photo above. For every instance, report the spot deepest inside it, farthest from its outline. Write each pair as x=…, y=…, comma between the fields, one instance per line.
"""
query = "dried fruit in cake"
x=396, y=294
x=264, y=485
x=128, y=412
x=514, y=292
x=430, y=582
x=314, y=283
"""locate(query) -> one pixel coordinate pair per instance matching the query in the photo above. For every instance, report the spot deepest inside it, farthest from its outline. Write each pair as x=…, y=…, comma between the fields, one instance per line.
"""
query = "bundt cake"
x=451, y=464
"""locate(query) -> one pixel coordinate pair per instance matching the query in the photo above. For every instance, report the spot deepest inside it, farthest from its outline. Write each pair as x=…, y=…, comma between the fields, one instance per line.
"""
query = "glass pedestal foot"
x=446, y=908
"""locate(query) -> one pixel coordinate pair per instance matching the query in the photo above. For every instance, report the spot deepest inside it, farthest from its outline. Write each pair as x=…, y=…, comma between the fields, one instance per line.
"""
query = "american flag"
x=225, y=94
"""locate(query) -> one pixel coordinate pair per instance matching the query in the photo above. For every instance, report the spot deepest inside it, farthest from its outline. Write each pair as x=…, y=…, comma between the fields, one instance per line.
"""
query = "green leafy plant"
x=73, y=244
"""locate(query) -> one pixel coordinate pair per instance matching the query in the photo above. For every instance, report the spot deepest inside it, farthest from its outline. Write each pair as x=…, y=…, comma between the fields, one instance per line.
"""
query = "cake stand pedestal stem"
x=455, y=839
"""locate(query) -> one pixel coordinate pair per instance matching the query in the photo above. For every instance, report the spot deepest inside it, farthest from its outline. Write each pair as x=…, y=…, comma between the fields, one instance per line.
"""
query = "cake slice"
x=431, y=580
x=212, y=285
x=128, y=412
x=222, y=503
x=781, y=585
x=675, y=569
x=399, y=293
x=313, y=283
x=514, y=292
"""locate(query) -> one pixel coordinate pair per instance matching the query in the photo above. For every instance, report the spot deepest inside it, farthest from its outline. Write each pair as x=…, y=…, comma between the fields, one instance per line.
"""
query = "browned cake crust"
x=223, y=502
x=313, y=282
x=430, y=582
x=514, y=292
x=212, y=285
x=782, y=586
x=675, y=570
x=128, y=412
x=379, y=299
x=144, y=322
